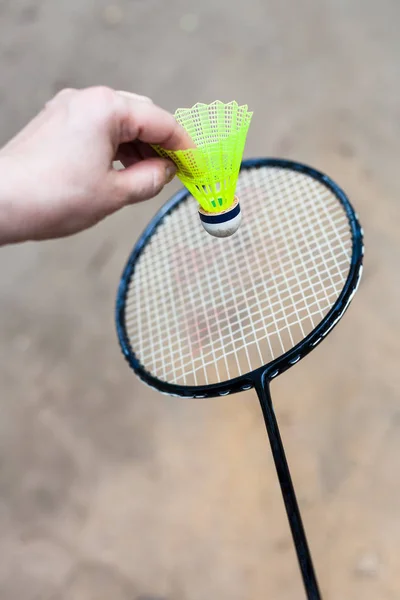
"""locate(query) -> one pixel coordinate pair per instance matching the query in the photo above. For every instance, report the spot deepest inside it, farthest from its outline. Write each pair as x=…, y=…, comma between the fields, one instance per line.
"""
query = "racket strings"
x=202, y=310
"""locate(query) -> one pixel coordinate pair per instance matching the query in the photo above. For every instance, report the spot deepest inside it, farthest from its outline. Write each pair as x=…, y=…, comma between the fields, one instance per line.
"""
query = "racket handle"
x=288, y=493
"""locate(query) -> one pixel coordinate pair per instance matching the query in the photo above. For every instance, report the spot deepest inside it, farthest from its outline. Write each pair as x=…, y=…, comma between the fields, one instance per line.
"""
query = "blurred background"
x=111, y=490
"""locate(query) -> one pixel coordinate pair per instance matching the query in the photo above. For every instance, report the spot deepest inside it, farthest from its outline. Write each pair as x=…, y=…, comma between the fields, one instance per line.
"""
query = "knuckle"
x=102, y=102
x=61, y=96
x=101, y=94
x=64, y=93
x=141, y=98
x=133, y=96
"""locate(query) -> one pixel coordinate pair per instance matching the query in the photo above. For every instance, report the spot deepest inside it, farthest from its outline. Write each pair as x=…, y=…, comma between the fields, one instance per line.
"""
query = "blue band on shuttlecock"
x=220, y=217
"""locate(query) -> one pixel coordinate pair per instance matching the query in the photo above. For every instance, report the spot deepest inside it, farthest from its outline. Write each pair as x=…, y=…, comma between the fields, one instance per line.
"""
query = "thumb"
x=143, y=180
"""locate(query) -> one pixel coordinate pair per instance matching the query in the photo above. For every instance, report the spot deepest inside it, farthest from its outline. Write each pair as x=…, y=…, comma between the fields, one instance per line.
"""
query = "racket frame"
x=286, y=360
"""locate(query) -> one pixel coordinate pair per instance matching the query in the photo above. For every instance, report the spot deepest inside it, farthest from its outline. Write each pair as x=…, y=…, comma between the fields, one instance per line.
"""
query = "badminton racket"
x=199, y=316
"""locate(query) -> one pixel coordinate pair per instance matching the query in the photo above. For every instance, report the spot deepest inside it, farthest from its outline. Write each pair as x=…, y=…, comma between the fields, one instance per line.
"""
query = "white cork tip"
x=223, y=224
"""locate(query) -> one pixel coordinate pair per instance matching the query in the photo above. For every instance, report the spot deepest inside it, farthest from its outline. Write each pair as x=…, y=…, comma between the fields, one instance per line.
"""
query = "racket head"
x=280, y=363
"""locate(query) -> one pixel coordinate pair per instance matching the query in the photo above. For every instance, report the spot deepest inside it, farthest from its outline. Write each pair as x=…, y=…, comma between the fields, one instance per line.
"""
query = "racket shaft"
x=288, y=493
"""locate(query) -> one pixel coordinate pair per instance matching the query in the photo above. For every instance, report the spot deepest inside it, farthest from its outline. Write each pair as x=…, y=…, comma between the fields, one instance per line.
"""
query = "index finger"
x=147, y=122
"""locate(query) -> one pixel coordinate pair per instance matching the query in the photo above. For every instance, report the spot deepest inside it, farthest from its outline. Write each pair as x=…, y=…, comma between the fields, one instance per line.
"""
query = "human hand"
x=57, y=176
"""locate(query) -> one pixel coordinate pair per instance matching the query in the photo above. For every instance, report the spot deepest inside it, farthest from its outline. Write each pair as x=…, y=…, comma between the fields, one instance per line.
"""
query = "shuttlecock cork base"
x=222, y=224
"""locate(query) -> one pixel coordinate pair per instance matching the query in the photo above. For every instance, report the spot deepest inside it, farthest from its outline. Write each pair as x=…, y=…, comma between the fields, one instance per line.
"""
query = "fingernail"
x=170, y=172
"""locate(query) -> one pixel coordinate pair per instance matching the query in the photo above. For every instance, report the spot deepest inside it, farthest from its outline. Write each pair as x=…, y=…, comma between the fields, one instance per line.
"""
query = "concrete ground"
x=111, y=491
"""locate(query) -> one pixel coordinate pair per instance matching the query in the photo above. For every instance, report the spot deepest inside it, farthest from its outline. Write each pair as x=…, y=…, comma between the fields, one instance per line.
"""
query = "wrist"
x=14, y=222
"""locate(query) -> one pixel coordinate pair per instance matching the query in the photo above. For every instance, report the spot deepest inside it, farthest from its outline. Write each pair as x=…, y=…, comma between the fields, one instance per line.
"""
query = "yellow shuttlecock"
x=210, y=169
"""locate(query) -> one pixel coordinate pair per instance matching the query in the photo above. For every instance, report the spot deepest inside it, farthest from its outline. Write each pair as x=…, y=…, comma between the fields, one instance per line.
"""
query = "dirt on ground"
x=109, y=490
